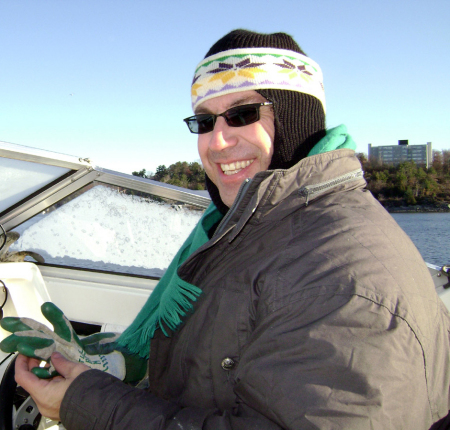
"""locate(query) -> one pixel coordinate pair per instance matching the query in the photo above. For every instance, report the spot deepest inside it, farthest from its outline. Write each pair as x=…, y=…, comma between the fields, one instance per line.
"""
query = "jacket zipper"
x=310, y=190
x=243, y=188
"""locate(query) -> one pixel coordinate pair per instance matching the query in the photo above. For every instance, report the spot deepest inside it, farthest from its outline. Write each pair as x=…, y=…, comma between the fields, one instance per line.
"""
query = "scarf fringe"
x=172, y=298
x=168, y=314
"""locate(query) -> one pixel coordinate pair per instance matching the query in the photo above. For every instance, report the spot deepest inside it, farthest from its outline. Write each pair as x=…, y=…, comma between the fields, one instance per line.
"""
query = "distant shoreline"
x=417, y=209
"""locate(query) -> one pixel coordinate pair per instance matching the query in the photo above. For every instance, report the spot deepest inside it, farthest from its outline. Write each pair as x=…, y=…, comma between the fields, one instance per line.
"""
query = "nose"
x=223, y=136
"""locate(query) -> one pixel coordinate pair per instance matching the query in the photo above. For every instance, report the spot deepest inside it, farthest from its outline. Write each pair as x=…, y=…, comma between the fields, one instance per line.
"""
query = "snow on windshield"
x=111, y=227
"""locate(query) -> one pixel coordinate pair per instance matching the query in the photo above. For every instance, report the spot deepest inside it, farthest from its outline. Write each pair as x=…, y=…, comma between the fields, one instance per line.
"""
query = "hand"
x=47, y=393
x=35, y=340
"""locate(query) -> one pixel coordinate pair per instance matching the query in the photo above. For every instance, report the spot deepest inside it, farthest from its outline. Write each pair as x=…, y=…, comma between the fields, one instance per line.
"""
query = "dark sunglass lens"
x=205, y=123
x=243, y=115
x=200, y=124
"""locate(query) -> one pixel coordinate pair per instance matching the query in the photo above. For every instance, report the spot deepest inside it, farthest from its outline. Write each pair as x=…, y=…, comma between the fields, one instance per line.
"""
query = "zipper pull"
x=304, y=192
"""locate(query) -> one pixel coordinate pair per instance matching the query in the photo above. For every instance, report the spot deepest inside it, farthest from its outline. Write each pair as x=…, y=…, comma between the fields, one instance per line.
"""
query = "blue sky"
x=110, y=79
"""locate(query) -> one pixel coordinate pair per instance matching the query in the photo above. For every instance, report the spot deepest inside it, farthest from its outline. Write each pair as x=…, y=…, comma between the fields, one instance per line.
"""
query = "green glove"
x=105, y=343
x=98, y=351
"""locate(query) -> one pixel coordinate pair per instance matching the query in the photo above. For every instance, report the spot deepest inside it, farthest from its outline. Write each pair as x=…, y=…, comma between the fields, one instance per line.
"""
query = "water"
x=430, y=232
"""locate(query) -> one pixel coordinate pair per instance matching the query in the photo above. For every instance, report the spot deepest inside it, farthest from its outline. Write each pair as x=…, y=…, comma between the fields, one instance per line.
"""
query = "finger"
x=98, y=337
x=33, y=362
x=23, y=376
x=44, y=373
x=100, y=343
x=100, y=348
x=18, y=325
x=66, y=368
x=60, y=323
x=11, y=343
x=13, y=324
x=41, y=352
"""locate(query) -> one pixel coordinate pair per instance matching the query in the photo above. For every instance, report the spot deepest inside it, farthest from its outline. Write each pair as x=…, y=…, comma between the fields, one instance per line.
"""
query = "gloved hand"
x=98, y=351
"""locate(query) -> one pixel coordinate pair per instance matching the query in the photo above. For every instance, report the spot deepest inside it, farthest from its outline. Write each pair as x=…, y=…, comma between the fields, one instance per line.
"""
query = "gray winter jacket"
x=317, y=312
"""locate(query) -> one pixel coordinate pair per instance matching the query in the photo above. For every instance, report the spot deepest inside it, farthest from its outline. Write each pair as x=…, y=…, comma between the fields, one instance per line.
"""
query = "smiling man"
x=296, y=303
x=232, y=154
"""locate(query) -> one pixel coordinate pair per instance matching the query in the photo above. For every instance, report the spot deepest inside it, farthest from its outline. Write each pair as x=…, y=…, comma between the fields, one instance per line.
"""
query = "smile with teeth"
x=233, y=168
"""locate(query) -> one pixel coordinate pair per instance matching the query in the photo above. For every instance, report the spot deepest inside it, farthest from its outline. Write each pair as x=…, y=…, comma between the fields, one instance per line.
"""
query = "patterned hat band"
x=254, y=69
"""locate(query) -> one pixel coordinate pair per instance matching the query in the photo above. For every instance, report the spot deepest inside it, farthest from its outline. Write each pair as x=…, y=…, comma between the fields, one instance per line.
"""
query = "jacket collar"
x=288, y=189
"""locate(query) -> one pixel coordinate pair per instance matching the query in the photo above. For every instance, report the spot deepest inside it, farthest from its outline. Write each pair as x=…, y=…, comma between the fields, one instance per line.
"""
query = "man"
x=314, y=309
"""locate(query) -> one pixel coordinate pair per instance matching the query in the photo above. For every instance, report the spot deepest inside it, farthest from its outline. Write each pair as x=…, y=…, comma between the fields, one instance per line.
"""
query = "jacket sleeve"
x=99, y=401
x=328, y=361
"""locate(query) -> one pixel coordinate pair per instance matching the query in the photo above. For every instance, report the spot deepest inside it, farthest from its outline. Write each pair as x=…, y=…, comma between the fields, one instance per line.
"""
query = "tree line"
x=408, y=183
x=181, y=174
x=403, y=185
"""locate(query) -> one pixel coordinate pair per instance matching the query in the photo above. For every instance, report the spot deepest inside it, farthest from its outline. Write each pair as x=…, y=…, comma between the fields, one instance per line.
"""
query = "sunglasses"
x=235, y=117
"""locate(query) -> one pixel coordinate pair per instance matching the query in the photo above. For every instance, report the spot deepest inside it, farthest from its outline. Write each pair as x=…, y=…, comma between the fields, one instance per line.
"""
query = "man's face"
x=232, y=154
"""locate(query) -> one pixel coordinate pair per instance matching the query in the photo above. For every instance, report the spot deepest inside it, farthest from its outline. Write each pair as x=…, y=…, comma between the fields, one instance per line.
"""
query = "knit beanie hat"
x=299, y=116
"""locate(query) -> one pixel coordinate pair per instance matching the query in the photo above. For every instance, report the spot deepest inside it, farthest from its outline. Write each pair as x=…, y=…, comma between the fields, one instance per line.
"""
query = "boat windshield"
x=78, y=215
x=21, y=178
x=110, y=228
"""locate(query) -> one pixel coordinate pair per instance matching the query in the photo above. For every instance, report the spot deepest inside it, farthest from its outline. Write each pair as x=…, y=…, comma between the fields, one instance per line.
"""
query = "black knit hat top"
x=299, y=117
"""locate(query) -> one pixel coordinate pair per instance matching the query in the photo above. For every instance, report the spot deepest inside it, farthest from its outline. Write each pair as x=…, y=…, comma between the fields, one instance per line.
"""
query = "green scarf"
x=336, y=138
x=172, y=298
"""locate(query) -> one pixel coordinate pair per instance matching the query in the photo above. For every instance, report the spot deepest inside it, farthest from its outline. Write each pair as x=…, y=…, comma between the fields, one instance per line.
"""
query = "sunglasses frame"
x=224, y=115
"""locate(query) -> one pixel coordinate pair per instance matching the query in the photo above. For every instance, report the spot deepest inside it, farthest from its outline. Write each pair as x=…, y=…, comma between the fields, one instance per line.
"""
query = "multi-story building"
x=396, y=154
